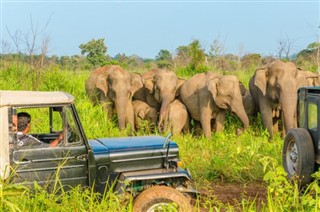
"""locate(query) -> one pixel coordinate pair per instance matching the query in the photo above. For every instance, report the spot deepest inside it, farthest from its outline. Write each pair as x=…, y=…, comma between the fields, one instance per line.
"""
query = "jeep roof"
x=19, y=98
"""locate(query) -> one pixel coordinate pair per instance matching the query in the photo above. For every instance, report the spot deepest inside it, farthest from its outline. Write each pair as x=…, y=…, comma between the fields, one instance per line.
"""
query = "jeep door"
x=52, y=167
x=312, y=121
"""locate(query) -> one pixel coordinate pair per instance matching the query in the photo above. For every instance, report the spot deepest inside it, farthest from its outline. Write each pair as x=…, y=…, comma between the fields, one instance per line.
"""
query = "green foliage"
x=15, y=198
x=313, y=46
x=95, y=51
x=307, y=58
x=227, y=158
x=187, y=72
x=216, y=48
x=284, y=195
x=197, y=54
x=222, y=63
x=164, y=59
x=251, y=60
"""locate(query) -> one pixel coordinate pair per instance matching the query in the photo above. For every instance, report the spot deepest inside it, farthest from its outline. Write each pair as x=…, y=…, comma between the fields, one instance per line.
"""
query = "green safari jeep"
x=301, y=149
x=147, y=167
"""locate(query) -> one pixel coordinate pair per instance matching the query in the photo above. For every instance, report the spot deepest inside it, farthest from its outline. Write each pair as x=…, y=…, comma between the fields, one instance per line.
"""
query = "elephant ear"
x=179, y=84
x=261, y=80
x=101, y=84
x=149, y=84
x=212, y=87
x=141, y=114
x=243, y=89
x=136, y=83
x=142, y=111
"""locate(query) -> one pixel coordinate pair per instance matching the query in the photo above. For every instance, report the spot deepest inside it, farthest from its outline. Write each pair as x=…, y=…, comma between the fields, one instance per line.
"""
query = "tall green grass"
x=248, y=158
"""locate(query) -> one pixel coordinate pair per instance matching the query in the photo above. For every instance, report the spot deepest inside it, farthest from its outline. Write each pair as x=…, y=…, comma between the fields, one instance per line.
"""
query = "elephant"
x=247, y=101
x=114, y=87
x=177, y=119
x=143, y=111
x=312, y=79
x=161, y=87
x=209, y=96
x=273, y=88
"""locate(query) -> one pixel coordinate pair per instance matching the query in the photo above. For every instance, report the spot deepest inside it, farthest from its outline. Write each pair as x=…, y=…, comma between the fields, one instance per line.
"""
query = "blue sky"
x=145, y=27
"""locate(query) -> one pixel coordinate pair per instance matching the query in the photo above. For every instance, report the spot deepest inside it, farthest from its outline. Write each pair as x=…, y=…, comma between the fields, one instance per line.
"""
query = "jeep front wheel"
x=298, y=155
x=161, y=198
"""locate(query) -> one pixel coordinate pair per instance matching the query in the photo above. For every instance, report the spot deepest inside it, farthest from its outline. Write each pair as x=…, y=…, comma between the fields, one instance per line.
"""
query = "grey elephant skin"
x=273, y=88
x=177, y=119
x=114, y=87
x=144, y=112
x=161, y=87
x=209, y=96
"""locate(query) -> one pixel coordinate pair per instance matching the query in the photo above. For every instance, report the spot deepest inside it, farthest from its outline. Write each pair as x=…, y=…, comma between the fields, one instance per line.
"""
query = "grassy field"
x=224, y=159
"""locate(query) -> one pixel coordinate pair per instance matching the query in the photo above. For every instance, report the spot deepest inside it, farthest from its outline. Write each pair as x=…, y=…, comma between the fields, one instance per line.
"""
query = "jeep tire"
x=156, y=197
x=298, y=155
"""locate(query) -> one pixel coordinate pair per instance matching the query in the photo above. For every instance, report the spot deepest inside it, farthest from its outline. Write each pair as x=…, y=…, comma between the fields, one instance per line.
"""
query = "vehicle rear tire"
x=156, y=197
x=298, y=155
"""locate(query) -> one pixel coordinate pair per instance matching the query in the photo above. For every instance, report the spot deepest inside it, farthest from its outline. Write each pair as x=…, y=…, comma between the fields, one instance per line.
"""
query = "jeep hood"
x=132, y=153
x=125, y=144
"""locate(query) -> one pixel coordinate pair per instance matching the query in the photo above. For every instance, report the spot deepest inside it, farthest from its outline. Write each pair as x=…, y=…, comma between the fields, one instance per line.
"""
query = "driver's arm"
x=56, y=141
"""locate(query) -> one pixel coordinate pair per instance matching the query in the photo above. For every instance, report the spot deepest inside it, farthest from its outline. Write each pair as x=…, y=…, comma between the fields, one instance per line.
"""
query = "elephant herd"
x=171, y=103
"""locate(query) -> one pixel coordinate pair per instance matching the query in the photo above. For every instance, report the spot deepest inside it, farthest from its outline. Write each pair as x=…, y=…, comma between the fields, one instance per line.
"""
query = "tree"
x=216, y=48
x=164, y=59
x=251, y=60
x=95, y=51
x=309, y=58
x=197, y=54
x=183, y=56
x=31, y=49
x=285, y=47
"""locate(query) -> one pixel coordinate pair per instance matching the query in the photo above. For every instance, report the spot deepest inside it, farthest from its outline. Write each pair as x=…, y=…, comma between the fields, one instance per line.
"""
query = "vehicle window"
x=73, y=133
x=45, y=126
x=12, y=120
x=312, y=116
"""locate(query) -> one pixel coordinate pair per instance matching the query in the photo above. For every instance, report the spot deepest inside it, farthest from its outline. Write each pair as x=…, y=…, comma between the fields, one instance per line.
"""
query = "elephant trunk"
x=242, y=115
x=121, y=105
x=239, y=110
x=288, y=107
x=163, y=112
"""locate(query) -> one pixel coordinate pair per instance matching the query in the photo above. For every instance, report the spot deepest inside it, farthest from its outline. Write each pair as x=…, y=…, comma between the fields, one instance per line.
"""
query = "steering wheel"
x=71, y=135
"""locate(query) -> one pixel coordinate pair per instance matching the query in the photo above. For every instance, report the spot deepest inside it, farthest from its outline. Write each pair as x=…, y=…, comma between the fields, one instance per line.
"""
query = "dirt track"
x=233, y=194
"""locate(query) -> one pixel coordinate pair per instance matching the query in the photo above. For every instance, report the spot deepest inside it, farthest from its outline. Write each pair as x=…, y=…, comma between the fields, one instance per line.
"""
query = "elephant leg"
x=220, y=118
x=283, y=127
x=175, y=129
x=266, y=115
x=275, y=126
x=107, y=105
x=205, y=120
x=186, y=127
x=109, y=108
x=196, y=128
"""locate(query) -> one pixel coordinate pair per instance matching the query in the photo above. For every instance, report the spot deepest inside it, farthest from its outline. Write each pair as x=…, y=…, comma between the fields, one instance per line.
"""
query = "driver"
x=24, y=139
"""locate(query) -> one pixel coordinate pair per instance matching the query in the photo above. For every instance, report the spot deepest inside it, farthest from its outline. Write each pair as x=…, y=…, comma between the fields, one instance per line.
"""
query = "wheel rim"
x=162, y=207
x=292, y=157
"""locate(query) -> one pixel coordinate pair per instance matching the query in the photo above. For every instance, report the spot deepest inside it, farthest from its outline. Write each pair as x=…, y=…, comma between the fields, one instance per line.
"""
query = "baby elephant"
x=144, y=112
x=177, y=119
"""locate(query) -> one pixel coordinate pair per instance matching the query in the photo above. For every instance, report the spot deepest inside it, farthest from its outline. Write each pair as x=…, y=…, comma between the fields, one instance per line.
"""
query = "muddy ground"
x=233, y=194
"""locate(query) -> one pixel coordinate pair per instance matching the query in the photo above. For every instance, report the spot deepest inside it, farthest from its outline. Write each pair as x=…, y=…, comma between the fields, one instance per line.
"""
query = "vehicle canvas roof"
x=20, y=98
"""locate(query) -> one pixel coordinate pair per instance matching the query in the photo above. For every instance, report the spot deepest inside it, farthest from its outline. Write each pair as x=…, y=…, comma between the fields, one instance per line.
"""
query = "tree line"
x=191, y=57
